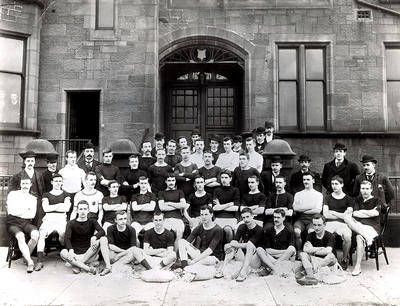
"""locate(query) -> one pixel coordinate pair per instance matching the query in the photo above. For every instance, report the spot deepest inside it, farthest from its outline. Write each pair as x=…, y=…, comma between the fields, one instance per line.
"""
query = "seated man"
x=364, y=221
x=279, y=199
x=112, y=203
x=307, y=203
x=242, y=173
x=210, y=235
x=21, y=209
x=279, y=244
x=197, y=200
x=122, y=242
x=248, y=237
x=319, y=249
x=226, y=202
x=185, y=172
x=84, y=239
x=255, y=200
x=158, y=244
x=92, y=196
x=335, y=207
x=210, y=173
x=56, y=204
x=172, y=202
x=143, y=205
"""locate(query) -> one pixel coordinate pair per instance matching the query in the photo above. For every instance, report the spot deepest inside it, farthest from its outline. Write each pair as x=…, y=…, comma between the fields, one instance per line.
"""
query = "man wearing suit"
x=37, y=187
x=88, y=163
x=381, y=186
x=296, y=181
x=268, y=177
x=346, y=169
x=269, y=132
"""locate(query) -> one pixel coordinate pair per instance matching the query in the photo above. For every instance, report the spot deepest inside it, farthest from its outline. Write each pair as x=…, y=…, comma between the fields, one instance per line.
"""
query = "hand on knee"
x=35, y=235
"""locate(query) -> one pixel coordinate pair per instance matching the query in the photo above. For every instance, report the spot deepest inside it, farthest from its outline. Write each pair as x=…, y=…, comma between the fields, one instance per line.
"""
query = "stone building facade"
x=322, y=70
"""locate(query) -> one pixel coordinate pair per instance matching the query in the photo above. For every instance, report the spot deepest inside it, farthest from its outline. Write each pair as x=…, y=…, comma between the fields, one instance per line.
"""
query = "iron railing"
x=395, y=204
x=63, y=145
x=4, y=182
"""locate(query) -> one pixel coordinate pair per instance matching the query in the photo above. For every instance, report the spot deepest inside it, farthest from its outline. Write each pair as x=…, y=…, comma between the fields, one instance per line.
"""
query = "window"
x=393, y=87
x=105, y=14
x=302, y=88
x=12, y=76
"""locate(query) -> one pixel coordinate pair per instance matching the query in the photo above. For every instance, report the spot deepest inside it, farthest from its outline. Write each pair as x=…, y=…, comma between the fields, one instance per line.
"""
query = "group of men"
x=181, y=205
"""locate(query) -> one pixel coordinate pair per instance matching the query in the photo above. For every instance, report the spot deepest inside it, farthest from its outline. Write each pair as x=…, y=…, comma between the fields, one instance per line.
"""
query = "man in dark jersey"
x=146, y=160
x=130, y=177
x=112, y=204
x=47, y=175
x=210, y=235
x=226, y=202
x=279, y=244
x=364, y=221
x=197, y=200
x=211, y=173
x=122, y=242
x=143, y=206
x=242, y=173
x=335, y=207
x=158, y=172
x=243, y=247
x=255, y=200
x=84, y=239
x=158, y=243
x=172, y=202
x=185, y=172
x=319, y=249
x=106, y=172
x=56, y=204
x=279, y=199
x=172, y=158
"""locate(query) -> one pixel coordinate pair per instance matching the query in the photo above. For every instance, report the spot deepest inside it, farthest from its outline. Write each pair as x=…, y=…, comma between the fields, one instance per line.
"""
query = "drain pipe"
x=378, y=7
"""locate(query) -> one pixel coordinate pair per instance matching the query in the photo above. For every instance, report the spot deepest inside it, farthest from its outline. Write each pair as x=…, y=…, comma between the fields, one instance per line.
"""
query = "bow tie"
x=370, y=177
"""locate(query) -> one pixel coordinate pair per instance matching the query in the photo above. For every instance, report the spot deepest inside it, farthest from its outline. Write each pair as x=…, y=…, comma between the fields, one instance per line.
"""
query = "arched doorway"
x=202, y=88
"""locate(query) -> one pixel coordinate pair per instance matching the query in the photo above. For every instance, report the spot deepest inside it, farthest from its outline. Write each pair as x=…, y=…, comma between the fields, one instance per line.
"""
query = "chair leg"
x=10, y=253
x=376, y=244
x=384, y=253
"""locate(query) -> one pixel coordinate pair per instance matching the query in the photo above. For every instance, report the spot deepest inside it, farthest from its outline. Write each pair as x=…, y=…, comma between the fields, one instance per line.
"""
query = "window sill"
x=326, y=134
x=19, y=132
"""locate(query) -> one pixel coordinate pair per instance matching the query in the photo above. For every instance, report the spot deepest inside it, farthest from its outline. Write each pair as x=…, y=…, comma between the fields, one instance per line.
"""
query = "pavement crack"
x=65, y=289
x=165, y=295
x=276, y=303
x=377, y=297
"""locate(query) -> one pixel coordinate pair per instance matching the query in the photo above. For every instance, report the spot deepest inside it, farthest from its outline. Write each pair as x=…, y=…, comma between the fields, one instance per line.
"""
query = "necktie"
x=338, y=164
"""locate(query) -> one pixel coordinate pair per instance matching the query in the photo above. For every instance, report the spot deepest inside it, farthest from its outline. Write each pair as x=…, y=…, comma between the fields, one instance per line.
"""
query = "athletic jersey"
x=131, y=176
x=328, y=240
x=157, y=177
x=189, y=172
x=146, y=162
x=226, y=194
x=279, y=200
x=211, y=238
x=172, y=196
x=56, y=199
x=244, y=234
x=307, y=196
x=252, y=199
x=124, y=240
x=78, y=234
x=210, y=173
x=197, y=202
x=94, y=199
x=338, y=205
x=172, y=160
x=109, y=215
x=240, y=179
x=143, y=217
x=159, y=241
x=279, y=241
x=373, y=203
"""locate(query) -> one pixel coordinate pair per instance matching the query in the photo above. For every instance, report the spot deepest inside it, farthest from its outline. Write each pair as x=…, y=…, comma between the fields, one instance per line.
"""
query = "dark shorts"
x=17, y=224
x=303, y=224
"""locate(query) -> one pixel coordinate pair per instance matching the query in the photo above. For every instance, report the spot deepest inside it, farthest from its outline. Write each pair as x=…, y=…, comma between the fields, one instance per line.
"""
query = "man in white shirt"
x=21, y=208
x=197, y=156
x=255, y=159
x=73, y=176
x=306, y=203
x=228, y=160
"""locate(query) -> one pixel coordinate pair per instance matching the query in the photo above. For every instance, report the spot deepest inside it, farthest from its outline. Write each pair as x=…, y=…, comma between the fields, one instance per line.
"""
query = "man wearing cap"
x=268, y=177
x=269, y=132
x=197, y=156
x=130, y=184
x=159, y=141
x=296, y=180
x=237, y=144
x=36, y=187
x=260, y=139
x=106, y=172
x=47, y=175
x=255, y=159
x=381, y=186
x=146, y=160
x=88, y=163
x=342, y=167
x=214, y=146
x=228, y=160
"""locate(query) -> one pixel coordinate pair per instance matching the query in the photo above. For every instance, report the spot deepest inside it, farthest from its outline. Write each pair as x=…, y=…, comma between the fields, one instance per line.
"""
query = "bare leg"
x=23, y=247
x=250, y=250
x=305, y=260
x=299, y=242
x=228, y=234
x=266, y=259
x=287, y=254
x=106, y=255
x=360, y=254
x=33, y=241
x=66, y=256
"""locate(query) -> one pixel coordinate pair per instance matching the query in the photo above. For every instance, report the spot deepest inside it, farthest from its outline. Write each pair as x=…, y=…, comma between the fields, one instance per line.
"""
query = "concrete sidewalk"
x=57, y=285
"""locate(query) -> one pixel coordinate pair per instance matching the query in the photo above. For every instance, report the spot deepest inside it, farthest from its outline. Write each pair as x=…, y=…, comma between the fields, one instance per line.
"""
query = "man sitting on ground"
x=112, y=203
x=56, y=204
x=84, y=239
x=279, y=244
x=21, y=209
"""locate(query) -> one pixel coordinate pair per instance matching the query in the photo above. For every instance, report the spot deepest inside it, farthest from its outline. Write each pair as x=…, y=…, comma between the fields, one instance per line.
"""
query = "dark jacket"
x=296, y=182
x=347, y=171
x=82, y=164
x=381, y=187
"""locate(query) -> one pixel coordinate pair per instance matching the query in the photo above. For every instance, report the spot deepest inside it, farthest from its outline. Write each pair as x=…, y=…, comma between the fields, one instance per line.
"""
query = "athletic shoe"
x=176, y=265
x=76, y=270
x=105, y=271
x=264, y=272
x=189, y=277
x=356, y=271
x=344, y=263
x=241, y=278
x=92, y=270
x=30, y=268
x=307, y=281
x=39, y=266
x=219, y=274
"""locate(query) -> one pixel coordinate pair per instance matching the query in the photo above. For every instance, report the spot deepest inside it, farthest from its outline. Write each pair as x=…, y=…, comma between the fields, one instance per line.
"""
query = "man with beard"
x=106, y=172
x=130, y=177
x=88, y=163
x=296, y=180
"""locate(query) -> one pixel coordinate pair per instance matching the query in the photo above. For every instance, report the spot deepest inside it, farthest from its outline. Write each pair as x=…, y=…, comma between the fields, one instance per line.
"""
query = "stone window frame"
x=387, y=110
x=97, y=27
x=22, y=74
x=102, y=34
x=301, y=80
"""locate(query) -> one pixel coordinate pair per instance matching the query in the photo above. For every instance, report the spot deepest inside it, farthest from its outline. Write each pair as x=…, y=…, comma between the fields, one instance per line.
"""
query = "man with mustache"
x=296, y=180
x=88, y=163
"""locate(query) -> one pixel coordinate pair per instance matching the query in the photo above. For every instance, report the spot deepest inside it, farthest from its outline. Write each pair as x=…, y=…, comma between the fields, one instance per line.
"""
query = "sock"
x=162, y=264
x=184, y=263
x=40, y=256
x=145, y=264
